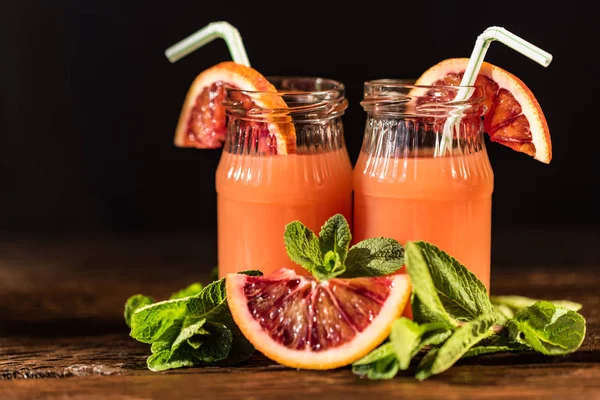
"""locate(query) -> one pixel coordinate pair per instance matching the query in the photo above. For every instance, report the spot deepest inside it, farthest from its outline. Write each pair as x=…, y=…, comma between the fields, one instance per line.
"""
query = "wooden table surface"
x=62, y=334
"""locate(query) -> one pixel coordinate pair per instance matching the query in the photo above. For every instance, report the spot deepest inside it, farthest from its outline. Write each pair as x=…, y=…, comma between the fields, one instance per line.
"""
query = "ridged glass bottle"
x=423, y=172
x=260, y=189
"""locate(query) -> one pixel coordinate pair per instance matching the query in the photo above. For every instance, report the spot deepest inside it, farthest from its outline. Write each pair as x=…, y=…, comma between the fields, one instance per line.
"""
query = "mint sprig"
x=548, y=328
x=453, y=318
x=194, y=327
x=328, y=255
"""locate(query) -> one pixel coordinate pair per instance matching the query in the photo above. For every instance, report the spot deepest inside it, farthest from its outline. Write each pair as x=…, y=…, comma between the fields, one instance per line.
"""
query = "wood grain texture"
x=61, y=317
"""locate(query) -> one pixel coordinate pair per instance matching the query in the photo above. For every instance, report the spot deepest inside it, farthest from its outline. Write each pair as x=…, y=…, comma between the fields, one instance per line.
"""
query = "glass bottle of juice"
x=260, y=190
x=409, y=186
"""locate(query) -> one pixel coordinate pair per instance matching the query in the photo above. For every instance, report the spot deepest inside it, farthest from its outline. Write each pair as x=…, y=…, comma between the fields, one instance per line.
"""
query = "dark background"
x=89, y=102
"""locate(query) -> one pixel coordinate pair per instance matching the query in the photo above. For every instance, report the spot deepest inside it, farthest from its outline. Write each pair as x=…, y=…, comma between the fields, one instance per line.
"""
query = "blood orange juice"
x=260, y=189
x=409, y=187
x=253, y=210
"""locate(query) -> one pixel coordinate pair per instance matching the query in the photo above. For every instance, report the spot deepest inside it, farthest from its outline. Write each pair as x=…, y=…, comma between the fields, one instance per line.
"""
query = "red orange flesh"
x=202, y=121
x=304, y=323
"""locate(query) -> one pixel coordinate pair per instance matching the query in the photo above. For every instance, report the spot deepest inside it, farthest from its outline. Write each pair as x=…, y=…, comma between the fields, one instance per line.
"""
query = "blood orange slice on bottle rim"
x=203, y=121
x=513, y=116
x=301, y=322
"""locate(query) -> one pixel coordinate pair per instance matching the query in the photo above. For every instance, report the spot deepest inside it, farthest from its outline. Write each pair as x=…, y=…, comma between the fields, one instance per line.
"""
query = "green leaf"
x=191, y=290
x=374, y=257
x=335, y=236
x=303, y=246
x=332, y=265
x=424, y=315
x=383, y=368
x=450, y=291
x=417, y=266
x=407, y=338
x=191, y=326
x=251, y=272
x=458, y=344
x=191, y=330
x=435, y=338
x=133, y=304
x=195, y=341
x=503, y=313
x=217, y=345
x=380, y=352
x=166, y=359
x=160, y=345
x=495, y=344
x=547, y=328
x=148, y=323
x=206, y=302
x=424, y=367
x=165, y=341
x=517, y=303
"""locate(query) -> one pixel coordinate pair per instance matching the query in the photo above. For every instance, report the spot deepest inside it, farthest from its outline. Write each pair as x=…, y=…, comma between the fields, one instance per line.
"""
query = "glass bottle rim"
x=402, y=97
x=305, y=97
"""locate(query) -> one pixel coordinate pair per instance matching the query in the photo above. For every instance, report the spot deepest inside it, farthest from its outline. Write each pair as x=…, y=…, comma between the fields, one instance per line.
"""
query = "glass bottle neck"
x=257, y=137
x=418, y=137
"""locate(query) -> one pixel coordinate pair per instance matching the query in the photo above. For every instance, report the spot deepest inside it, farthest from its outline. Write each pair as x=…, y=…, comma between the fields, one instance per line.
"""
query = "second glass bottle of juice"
x=260, y=190
x=411, y=183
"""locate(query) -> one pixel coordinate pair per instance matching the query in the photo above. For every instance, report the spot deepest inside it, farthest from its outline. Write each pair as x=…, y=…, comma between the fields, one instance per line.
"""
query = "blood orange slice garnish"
x=301, y=322
x=203, y=122
x=513, y=116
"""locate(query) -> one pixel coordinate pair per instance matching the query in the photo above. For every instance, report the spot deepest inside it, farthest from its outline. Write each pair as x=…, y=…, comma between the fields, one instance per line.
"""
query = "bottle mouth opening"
x=402, y=98
x=304, y=98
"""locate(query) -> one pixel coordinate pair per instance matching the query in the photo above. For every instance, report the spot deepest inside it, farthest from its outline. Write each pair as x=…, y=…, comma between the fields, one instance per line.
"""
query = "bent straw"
x=215, y=30
x=481, y=46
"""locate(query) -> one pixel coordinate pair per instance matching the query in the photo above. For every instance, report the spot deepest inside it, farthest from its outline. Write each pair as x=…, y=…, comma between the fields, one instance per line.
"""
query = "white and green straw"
x=481, y=46
x=215, y=30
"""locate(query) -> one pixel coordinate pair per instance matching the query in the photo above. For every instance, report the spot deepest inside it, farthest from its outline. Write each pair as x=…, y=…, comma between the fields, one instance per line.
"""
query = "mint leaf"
x=191, y=330
x=215, y=346
x=133, y=304
x=503, y=313
x=380, y=352
x=335, y=236
x=149, y=323
x=167, y=359
x=424, y=367
x=191, y=326
x=191, y=290
x=424, y=315
x=425, y=292
x=383, y=368
x=374, y=257
x=206, y=303
x=303, y=246
x=495, y=344
x=450, y=291
x=457, y=345
x=517, y=303
x=212, y=305
x=327, y=256
x=547, y=328
x=407, y=338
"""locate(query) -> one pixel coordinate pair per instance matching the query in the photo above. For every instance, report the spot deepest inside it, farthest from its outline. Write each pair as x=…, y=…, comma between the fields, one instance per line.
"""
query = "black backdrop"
x=89, y=101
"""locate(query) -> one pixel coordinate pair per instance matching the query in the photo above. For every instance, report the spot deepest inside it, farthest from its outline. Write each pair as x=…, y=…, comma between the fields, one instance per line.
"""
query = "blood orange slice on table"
x=513, y=115
x=203, y=122
x=301, y=322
